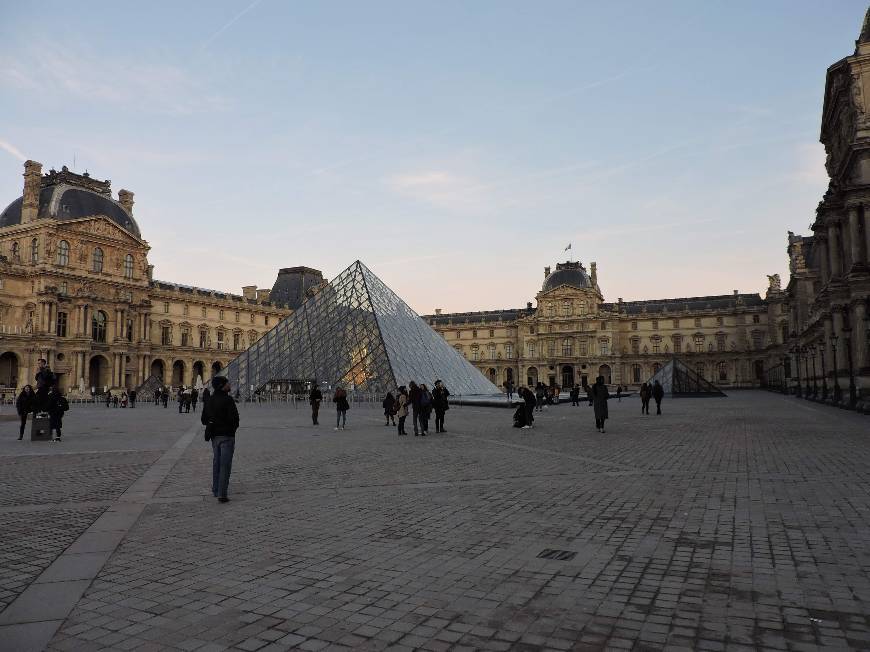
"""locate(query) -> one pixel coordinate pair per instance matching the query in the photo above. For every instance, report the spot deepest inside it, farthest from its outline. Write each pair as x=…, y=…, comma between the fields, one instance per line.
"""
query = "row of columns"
x=845, y=243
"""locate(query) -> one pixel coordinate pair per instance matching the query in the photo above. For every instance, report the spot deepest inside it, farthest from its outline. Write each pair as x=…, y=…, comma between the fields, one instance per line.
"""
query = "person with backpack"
x=402, y=409
x=658, y=393
x=440, y=404
x=645, y=393
x=24, y=405
x=389, y=405
x=341, y=407
x=425, y=408
x=56, y=405
x=220, y=416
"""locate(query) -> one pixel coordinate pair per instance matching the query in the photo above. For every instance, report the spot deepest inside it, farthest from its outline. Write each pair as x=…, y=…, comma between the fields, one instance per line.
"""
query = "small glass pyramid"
x=678, y=380
x=358, y=334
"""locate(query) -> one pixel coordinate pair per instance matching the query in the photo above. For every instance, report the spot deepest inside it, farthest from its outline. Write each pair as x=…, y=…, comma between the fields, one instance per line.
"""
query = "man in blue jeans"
x=221, y=420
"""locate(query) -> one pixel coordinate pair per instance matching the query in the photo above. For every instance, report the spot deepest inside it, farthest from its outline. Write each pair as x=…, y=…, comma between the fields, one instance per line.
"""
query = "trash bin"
x=40, y=430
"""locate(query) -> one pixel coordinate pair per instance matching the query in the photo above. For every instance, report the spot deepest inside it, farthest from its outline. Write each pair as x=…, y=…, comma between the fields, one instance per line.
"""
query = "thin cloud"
x=6, y=146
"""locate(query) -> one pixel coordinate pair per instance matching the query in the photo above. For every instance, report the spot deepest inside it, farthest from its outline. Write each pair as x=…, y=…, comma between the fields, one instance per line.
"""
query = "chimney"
x=125, y=198
x=263, y=295
x=32, y=184
x=546, y=272
x=594, y=276
x=736, y=293
x=249, y=291
x=528, y=305
x=619, y=300
x=437, y=311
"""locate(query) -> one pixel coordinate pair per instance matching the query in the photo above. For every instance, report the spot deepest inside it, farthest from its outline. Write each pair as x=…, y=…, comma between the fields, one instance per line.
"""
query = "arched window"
x=34, y=251
x=98, y=326
x=63, y=253
x=16, y=252
x=128, y=268
x=568, y=346
x=98, y=260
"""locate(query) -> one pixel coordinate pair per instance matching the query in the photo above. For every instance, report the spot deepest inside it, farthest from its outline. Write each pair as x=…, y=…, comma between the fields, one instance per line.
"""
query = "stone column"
x=842, y=362
x=52, y=318
x=824, y=262
x=860, y=328
x=122, y=369
x=834, y=251
x=866, y=213
x=855, y=239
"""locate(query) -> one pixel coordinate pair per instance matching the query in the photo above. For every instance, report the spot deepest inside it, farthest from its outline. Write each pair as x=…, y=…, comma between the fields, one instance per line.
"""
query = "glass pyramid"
x=358, y=334
x=678, y=380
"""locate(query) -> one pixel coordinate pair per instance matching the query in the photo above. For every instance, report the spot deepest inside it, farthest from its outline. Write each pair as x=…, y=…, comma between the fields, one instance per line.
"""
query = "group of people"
x=121, y=400
x=187, y=398
x=46, y=399
x=654, y=391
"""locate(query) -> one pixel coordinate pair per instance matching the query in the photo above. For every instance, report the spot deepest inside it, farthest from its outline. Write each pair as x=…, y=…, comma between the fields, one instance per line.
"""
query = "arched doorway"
x=492, y=375
x=567, y=376
x=98, y=373
x=604, y=370
x=532, y=376
x=198, y=372
x=158, y=368
x=177, y=373
x=8, y=370
x=759, y=370
x=216, y=367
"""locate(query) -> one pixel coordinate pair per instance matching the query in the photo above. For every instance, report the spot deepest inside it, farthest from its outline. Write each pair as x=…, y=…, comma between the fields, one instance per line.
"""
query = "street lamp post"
x=805, y=350
x=797, y=354
x=824, y=374
x=812, y=349
x=834, y=339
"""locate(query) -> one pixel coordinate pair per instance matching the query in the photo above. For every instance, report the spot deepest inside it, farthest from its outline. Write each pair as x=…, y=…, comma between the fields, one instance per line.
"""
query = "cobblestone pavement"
x=735, y=523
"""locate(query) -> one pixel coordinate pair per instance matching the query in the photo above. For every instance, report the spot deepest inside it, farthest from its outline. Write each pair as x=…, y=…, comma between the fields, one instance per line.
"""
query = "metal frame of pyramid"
x=678, y=380
x=358, y=334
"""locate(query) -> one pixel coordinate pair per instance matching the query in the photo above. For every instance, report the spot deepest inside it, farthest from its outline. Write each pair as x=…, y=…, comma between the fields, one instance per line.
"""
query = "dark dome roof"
x=569, y=273
x=64, y=202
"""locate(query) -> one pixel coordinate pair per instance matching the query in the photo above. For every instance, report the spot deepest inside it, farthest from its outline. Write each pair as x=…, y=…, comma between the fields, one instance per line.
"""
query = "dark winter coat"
x=24, y=403
x=439, y=399
x=56, y=405
x=389, y=403
x=340, y=400
x=315, y=396
x=599, y=400
x=221, y=415
x=414, y=394
x=658, y=392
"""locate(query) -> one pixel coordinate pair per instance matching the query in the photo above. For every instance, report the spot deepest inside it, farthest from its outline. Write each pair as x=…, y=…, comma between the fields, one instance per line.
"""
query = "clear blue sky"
x=455, y=147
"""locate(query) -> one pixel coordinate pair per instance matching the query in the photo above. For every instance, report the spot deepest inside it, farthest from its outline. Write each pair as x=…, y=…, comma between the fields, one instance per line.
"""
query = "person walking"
x=575, y=395
x=25, y=404
x=589, y=394
x=108, y=398
x=164, y=398
x=56, y=405
x=414, y=400
x=206, y=394
x=645, y=393
x=220, y=416
x=425, y=408
x=440, y=404
x=530, y=402
x=539, y=397
x=599, y=400
x=157, y=396
x=658, y=393
x=341, y=407
x=132, y=397
x=619, y=393
x=314, y=398
x=187, y=400
x=389, y=405
x=194, y=397
x=402, y=409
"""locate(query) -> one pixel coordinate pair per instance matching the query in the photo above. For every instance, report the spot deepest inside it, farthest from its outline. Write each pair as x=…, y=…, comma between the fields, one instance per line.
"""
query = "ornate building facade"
x=827, y=357
x=572, y=335
x=76, y=288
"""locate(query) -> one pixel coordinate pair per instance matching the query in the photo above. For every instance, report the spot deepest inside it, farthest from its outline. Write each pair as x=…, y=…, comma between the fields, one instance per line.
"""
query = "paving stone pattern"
x=735, y=523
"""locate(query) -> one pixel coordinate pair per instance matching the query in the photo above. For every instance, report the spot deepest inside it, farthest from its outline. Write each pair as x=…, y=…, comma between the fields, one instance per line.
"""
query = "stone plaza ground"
x=730, y=523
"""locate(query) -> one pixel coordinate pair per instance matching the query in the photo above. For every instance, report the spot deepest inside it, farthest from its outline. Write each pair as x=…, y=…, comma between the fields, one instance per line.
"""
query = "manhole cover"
x=558, y=555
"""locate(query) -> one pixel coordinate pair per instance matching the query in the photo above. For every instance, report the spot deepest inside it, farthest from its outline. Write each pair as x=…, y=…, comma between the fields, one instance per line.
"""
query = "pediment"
x=103, y=227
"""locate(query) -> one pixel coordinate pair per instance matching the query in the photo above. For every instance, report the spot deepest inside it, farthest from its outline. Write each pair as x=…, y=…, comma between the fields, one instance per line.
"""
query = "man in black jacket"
x=439, y=402
x=45, y=379
x=221, y=420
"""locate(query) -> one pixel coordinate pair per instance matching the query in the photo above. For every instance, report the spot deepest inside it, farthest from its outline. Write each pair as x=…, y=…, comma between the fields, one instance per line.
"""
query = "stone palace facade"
x=572, y=335
x=77, y=289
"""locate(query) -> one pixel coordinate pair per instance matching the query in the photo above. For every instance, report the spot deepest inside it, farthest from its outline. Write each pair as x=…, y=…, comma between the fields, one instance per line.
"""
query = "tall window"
x=634, y=325
x=699, y=369
x=203, y=338
x=34, y=251
x=568, y=347
x=16, y=252
x=166, y=336
x=532, y=349
x=64, y=288
x=699, y=343
x=237, y=341
x=551, y=348
x=605, y=347
x=657, y=344
x=185, y=310
x=129, y=330
x=676, y=323
x=655, y=324
x=697, y=322
x=220, y=340
x=723, y=371
x=678, y=343
x=128, y=266
x=62, y=253
x=98, y=326
x=757, y=340
x=238, y=315
x=61, y=324
x=635, y=346
x=756, y=319
x=221, y=315
x=492, y=332
x=266, y=320
x=566, y=308
x=719, y=321
x=509, y=351
x=473, y=333
x=475, y=352
x=458, y=335
x=584, y=348
x=720, y=342
x=185, y=337
x=98, y=260
x=635, y=373
x=551, y=310
x=581, y=307
x=492, y=351
x=166, y=307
